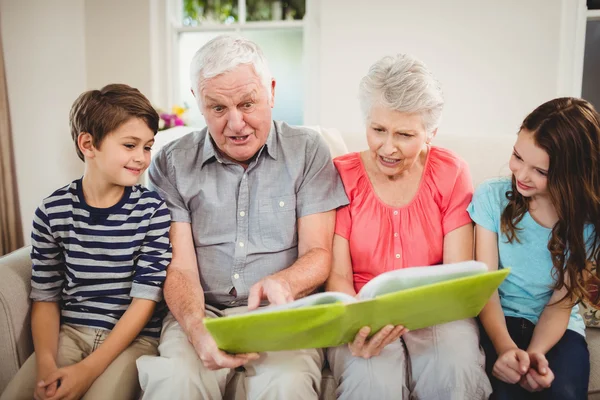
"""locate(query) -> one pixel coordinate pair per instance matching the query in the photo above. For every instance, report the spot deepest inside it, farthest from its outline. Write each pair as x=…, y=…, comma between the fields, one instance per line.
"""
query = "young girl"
x=544, y=224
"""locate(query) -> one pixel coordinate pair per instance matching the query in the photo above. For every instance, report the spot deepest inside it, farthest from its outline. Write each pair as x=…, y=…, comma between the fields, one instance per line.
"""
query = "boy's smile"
x=122, y=156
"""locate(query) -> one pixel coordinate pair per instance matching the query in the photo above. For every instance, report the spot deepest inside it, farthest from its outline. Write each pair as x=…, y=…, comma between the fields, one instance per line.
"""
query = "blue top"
x=94, y=261
x=528, y=287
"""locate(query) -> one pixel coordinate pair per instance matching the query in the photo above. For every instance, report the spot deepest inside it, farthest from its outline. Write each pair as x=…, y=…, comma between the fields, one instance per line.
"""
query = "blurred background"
x=496, y=61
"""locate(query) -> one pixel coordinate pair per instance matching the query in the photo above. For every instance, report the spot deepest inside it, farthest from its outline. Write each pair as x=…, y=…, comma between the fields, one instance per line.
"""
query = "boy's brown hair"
x=99, y=112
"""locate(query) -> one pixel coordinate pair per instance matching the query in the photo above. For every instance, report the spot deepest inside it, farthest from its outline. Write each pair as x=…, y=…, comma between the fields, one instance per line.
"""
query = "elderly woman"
x=408, y=202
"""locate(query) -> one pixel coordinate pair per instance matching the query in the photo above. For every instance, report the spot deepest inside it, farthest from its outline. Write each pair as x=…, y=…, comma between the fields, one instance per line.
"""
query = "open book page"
x=406, y=278
x=316, y=299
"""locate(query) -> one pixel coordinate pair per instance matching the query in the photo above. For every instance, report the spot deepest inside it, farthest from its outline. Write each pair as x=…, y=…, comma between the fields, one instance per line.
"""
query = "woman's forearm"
x=338, y=283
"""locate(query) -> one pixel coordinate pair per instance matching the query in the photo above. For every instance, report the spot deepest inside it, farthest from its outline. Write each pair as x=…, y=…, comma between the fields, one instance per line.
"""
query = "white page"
x=406, y=278
x=312, y=300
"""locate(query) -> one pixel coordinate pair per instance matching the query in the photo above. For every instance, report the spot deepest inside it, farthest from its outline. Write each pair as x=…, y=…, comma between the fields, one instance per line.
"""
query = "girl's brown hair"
x=568, y=130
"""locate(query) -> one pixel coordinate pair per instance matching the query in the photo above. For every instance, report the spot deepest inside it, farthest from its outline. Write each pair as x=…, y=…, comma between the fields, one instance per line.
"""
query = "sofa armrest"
x=15, y=326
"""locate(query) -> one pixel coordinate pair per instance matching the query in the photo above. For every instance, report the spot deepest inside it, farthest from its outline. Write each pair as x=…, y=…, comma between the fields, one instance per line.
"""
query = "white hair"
x=402, y=83
x=223, y=54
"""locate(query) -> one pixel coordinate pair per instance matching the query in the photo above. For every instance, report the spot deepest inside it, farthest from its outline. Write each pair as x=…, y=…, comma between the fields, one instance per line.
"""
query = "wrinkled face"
x=124, y=154
x=395, y=139
x=529, y=165
x=237, y=111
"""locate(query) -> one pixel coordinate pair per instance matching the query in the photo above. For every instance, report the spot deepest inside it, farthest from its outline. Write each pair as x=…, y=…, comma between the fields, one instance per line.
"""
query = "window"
x=276, y=26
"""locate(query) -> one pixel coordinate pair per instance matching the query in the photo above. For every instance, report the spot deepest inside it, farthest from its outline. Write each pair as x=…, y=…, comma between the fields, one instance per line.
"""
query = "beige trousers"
x=443, y=362
x=118, y=381
x=179, y=374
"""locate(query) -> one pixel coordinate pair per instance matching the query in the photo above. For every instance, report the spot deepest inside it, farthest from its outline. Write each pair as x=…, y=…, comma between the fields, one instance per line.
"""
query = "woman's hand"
x=367, y=348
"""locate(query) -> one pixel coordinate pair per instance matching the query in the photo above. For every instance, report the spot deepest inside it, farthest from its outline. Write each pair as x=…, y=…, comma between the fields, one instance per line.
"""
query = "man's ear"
x=85, y=142
x=273, y=83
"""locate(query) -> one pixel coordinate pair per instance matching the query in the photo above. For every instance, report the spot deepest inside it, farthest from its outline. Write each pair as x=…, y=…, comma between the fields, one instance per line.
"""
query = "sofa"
x=487, y=156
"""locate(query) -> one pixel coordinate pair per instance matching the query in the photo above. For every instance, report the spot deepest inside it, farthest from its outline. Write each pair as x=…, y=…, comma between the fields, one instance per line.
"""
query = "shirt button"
x=241, y=244
x=395, y=212
x=281, y=204
x=395, y=234
x=236, y=276
x=397, y=255
x=242, y=213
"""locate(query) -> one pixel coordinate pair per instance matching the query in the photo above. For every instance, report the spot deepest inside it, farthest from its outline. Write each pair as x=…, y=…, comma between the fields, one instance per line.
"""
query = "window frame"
x=175, y=29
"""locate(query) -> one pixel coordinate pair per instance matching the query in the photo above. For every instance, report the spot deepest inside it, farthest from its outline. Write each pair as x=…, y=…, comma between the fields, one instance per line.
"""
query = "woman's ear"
x=431, y=135
x=85, y=142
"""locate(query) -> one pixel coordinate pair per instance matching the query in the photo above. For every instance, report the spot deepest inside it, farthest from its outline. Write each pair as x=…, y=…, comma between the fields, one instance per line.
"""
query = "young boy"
x=100, y=253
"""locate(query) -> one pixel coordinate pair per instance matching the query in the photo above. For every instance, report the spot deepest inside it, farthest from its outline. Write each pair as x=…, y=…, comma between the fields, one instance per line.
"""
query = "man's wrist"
x=194, y=325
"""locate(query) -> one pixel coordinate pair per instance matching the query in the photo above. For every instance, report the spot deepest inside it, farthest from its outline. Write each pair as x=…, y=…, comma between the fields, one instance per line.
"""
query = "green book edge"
x=331, y=325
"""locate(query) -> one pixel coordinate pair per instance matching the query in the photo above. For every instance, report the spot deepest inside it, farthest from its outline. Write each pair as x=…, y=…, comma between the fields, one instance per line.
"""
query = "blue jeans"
x=569, y=360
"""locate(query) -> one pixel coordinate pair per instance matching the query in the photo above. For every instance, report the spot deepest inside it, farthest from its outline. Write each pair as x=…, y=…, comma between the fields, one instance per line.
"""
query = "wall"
x=591, y=77
x=117, y=43
x=45, y=70
x=496, y=60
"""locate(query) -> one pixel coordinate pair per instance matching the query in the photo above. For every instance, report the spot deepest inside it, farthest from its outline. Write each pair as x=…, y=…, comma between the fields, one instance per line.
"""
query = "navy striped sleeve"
x=154, y=258
x=48, y=274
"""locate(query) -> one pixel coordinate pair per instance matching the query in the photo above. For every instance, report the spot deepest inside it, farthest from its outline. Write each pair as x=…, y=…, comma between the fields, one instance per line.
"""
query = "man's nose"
x=235, y=121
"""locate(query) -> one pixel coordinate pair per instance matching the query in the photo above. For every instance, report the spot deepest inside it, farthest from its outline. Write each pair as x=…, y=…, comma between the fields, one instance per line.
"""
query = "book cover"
x=414, y=297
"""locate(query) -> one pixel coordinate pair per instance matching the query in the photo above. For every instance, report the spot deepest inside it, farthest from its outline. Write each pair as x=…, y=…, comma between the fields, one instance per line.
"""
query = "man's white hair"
x=223, y=54
x=402, y=83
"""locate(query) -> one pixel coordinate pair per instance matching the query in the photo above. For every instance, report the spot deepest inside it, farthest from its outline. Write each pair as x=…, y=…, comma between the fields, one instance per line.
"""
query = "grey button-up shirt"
x=244, y=221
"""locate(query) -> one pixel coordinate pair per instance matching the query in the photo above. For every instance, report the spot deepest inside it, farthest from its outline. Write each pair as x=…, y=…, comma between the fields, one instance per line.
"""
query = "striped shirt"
x=95, y=260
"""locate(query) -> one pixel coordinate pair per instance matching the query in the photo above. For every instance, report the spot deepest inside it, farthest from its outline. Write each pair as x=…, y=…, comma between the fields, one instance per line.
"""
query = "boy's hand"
x=44, y=392
x=511, y=365
x=367, y=348
x=75, y=380
x=539, y=376
x=212, y=357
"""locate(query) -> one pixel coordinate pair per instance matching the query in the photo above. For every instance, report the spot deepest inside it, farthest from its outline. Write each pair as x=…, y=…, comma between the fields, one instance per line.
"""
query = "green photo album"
x=415, y=297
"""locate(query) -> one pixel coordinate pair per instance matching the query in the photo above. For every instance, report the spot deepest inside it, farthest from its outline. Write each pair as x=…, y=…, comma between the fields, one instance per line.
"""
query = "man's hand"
x=75, y=380
x=511, y=365
x=367, y=348
x=212, y=357
x=539, y=376
x=277, y=291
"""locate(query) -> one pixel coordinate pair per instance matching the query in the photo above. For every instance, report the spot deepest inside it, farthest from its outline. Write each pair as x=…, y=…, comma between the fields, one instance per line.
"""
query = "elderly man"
x=253, y=208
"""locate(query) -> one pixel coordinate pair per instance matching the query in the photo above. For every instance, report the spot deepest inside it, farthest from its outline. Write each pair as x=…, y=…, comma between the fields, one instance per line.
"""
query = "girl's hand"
x=367, y=348
x=511, y=365
x=539, y=376
x=75, y=380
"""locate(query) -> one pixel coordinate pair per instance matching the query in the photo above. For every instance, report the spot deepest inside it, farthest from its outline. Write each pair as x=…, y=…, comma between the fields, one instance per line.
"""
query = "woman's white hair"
x=223, y=54
x=402, y=83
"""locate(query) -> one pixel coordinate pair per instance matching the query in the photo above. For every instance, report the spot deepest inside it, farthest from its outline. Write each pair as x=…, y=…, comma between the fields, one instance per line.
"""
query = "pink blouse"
x=384, y=238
